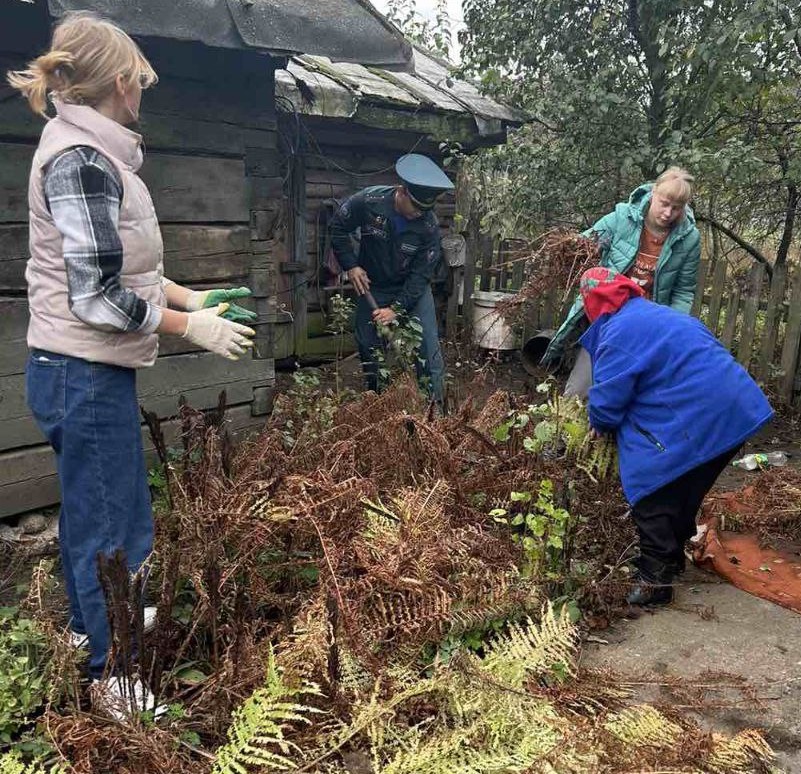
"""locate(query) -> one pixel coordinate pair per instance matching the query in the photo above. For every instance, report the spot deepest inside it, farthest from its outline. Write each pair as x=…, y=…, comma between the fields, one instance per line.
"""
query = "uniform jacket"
x=400, y=256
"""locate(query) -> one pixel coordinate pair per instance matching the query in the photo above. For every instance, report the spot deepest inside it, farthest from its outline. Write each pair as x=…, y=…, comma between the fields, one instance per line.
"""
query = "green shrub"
x=23, y=653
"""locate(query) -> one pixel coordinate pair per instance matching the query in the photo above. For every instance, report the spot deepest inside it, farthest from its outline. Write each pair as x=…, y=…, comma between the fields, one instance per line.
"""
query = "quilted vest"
x=52, y=325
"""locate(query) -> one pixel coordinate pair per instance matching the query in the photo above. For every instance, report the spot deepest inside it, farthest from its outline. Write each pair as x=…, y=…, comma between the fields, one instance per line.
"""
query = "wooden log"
x=197, y=189
x=13, y=257
x=703, y=270
x=792, y=339
x=194, y=254
x=15, y=162
x=28, y=476
x=13, y=346
x=297, y=199
x=199, y=377
x=716, y=295
x=772, y=317
x=746, y=347
x=729, y=326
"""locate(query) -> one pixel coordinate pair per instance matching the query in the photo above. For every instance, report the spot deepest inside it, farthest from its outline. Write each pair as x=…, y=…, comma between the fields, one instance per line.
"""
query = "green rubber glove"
x=204, y=299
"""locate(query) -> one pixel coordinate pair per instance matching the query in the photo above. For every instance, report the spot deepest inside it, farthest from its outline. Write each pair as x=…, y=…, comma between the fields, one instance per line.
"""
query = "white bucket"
x=454, y=248
x=490, y=330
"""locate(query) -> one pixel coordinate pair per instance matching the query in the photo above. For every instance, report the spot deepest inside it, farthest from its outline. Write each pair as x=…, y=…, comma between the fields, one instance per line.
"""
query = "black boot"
x=653, y=582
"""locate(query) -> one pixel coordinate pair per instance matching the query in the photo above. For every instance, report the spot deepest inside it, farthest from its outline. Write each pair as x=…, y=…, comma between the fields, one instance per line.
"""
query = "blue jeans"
x=433, y=366
x=90, y=415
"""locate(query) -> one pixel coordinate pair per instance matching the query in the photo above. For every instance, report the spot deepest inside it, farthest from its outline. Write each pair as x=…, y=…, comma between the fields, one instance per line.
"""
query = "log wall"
x=214, y=171
x=339, y=158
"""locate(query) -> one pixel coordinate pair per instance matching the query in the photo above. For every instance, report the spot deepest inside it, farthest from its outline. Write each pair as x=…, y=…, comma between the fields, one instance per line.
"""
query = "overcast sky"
x=427, y=9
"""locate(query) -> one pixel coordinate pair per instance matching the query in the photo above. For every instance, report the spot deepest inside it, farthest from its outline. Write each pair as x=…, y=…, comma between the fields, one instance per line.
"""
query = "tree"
x=434, y=36
x=618, y=89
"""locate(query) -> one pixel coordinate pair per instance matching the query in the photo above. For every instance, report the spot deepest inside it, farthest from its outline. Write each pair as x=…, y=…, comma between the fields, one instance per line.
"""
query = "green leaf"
x=191, y=676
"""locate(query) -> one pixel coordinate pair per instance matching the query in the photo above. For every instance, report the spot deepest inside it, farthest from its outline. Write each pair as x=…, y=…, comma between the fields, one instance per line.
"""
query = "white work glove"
x=208, y=330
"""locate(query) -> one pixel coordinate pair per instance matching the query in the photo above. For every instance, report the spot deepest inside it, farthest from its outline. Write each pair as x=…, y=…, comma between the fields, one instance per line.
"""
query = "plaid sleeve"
x=83, y=192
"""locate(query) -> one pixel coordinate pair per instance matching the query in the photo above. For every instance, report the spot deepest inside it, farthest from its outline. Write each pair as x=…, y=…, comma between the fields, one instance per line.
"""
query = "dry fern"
x=643, y=726
x=530, y=650
x=745, y=752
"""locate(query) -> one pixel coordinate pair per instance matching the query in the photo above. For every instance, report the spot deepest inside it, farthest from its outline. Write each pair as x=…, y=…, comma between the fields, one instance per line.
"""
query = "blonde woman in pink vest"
x=98, y=300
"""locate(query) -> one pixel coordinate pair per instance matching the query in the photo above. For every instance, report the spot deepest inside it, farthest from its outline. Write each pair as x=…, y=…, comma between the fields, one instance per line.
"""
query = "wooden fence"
x=755, y=316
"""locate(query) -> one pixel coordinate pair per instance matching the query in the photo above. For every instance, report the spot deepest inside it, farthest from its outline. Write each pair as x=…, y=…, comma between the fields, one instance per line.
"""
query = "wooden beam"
x=197, y=189
x=28, y=477
x=300, y=279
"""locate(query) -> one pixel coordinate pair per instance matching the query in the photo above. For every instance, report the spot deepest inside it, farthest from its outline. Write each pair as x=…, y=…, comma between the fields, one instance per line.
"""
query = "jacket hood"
x=640, y=198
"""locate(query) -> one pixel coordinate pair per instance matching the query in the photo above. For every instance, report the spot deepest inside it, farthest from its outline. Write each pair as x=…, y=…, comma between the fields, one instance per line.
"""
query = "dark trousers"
x=666, y=518
x=90, y=415
x=432, y=366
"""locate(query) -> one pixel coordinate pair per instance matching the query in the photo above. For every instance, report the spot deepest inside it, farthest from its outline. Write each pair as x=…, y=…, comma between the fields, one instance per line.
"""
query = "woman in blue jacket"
x=680, y=407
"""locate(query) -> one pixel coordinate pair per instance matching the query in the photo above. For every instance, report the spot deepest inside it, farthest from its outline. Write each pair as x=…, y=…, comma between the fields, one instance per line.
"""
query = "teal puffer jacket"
x=619, y=236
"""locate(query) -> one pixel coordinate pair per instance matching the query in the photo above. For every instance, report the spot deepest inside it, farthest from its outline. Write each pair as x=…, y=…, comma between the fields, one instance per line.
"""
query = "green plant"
x=401, y=353
x=23, y=660
x=13, y=763
x=307, y=409
x=256, y=736
x=541, y=530
x=339, y=322
x=560, y=426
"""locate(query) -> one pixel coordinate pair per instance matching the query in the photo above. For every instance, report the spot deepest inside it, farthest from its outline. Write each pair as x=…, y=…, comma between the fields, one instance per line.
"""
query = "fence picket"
x=772, y=317
x=746, y=347
x=703, y=270
x=729, y=326
x=716, y=295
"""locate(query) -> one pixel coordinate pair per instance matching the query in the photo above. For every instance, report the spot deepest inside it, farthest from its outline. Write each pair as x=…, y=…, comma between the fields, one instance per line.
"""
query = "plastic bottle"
x=774, y=459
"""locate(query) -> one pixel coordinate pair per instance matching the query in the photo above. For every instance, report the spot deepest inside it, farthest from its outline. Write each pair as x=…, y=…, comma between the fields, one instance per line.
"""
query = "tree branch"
x=749, y=248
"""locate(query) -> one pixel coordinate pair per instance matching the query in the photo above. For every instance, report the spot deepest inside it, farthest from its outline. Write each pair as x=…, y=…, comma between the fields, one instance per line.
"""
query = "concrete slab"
x=714, y=627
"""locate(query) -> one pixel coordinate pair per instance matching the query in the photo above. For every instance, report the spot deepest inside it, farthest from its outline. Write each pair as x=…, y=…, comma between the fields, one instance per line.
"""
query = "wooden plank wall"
x=339, y=158
x=213, y=169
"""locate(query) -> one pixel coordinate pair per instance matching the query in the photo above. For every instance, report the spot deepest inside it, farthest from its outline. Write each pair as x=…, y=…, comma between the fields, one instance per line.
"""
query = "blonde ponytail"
x=87, y=54
x=43, y=75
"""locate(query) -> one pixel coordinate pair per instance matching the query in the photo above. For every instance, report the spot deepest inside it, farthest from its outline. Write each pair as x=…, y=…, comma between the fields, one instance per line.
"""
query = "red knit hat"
x=604, y=291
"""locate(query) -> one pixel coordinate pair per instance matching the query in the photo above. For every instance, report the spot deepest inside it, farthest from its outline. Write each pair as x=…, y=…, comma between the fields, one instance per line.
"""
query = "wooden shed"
x=214, y=167
x=342, y=126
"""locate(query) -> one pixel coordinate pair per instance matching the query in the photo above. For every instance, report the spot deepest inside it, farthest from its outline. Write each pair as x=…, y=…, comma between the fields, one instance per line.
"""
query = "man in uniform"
x=398, y=253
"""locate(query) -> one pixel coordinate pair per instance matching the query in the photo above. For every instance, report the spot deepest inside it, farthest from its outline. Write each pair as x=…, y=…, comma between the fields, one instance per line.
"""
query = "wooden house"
x=341, y=127
x=216, y=171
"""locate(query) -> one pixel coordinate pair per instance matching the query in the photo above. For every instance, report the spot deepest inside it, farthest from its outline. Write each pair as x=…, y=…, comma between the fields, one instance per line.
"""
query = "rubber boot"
x=653, y=582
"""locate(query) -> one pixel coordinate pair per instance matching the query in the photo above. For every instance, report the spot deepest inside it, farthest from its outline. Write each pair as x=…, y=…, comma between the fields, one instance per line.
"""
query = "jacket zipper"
x=650, y=436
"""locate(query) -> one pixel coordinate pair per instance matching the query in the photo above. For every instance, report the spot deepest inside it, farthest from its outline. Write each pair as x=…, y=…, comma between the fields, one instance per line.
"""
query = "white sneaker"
x=79, y=640
x=120, y=698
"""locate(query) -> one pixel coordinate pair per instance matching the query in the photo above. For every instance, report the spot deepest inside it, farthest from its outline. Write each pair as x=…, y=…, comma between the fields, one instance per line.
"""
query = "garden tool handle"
x=371, y=302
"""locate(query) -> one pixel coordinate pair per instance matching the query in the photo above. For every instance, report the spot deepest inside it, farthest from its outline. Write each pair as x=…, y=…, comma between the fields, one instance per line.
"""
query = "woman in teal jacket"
x=651, y=238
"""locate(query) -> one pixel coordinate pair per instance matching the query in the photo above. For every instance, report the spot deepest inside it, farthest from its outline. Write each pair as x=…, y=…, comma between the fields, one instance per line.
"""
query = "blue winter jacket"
x=670, y=391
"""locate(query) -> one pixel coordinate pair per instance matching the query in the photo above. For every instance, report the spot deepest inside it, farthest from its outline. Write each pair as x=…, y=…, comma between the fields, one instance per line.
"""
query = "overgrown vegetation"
x=372, y=593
